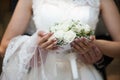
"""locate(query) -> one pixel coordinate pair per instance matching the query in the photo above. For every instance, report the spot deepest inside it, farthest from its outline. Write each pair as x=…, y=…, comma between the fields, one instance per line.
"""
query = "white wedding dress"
x=24, y=60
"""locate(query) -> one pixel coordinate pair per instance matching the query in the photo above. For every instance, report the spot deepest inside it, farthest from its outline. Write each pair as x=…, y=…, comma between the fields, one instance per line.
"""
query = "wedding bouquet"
x=65, y=32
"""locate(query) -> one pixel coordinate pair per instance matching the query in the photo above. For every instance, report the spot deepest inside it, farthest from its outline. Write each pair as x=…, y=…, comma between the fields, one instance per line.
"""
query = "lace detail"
x=37, y=3
x=94, y=3
x=20, y=51
x=92, y=16
x=12, y=47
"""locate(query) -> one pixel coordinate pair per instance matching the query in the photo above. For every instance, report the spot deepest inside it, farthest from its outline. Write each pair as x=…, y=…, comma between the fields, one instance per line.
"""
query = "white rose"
x=69, y=36
x=65, y=27
x=53, y=28
x=77, y=28
x=59, y=34
x=67, y=31
x=87, y=28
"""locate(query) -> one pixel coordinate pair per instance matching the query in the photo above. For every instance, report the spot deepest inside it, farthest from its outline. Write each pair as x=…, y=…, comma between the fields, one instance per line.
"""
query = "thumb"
x=92, y=38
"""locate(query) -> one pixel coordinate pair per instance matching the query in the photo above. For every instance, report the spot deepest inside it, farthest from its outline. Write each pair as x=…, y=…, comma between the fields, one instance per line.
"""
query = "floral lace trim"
x=37, y=5
x=12, y=47
x=94, y=3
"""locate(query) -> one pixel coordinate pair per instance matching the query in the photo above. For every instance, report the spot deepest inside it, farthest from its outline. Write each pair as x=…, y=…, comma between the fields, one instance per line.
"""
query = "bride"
x=37, y=57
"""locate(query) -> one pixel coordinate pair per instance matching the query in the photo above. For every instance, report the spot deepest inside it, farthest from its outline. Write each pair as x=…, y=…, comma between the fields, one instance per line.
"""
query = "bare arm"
x=18, y=23
x=111, y=18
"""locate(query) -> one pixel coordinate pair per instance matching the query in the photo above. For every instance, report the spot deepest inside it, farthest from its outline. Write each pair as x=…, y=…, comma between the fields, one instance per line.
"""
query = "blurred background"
x=7, y=9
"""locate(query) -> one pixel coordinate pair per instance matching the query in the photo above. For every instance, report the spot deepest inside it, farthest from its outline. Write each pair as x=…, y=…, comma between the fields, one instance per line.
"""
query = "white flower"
x=59, y=34
x=77, y=28
x=87, y=28
x=54, y=28
x=64, y=27
x=69, y=36
x=67, y=31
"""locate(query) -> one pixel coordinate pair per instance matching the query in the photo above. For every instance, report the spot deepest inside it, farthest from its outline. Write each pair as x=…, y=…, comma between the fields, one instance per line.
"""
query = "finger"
x=41, y=33
x=51, y=46
x=86, y=41
x=89, y=50
x=94, y=53
x=82, y=58
x=77, y=47
x=45, y=38
x=98, y=53
x=93, y=56
x=47, y=43
x=81, y=44
x=92, y=38
x=87, y=58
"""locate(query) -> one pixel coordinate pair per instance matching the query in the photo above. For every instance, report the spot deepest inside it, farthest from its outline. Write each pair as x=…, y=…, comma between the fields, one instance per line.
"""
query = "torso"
x=48, y=12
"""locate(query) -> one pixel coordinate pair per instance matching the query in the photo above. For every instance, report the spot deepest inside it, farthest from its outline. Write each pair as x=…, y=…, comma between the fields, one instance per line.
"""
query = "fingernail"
x=85, y=39
x=76, y=39
x=42, y=33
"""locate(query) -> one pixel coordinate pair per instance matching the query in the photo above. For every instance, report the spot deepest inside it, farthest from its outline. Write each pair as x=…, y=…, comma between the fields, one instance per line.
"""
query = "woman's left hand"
x=87, y=51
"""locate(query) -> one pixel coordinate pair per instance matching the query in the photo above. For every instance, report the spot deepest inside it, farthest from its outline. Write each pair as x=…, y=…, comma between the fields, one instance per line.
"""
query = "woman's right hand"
x=87, y=51
x=45, y=42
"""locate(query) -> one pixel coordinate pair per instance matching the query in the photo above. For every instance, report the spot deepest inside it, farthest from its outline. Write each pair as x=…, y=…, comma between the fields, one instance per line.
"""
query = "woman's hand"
x=87, y=50
x=45, y=42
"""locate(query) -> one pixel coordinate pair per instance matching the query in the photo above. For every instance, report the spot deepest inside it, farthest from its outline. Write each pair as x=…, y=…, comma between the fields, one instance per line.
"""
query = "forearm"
x=111, y=18
x=18, y=23
x=109, y=48
x=2, y=51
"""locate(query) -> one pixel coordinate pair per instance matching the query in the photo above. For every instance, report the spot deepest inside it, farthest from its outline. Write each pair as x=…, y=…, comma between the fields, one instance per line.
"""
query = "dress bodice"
x=48, y=12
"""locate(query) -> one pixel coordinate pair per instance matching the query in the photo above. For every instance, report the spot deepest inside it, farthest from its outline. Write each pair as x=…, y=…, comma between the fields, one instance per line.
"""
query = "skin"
x=89, y=52
x=111, y=18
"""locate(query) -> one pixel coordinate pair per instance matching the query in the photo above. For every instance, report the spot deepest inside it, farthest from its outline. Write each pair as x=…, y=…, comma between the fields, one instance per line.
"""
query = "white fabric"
x=31, y=28
x=24, y=60
x=59, y=10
